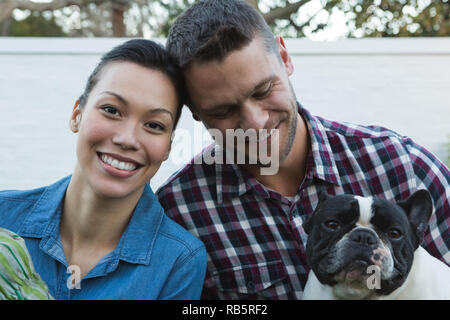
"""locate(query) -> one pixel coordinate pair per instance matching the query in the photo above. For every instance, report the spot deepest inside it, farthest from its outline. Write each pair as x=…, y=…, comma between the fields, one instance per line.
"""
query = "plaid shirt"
x=254, y=236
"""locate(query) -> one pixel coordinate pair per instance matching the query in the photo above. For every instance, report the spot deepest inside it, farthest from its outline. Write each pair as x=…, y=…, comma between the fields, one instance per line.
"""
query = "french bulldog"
x=369, y=248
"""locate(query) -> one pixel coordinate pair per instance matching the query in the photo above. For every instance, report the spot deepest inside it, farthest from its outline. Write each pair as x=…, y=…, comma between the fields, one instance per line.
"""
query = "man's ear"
x=284, y=54
x=75, y=118
x=418, y=207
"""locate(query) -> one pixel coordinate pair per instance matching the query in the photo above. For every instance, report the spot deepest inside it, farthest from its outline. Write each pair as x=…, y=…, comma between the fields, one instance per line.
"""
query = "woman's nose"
x=126, y=136
x=253, y=116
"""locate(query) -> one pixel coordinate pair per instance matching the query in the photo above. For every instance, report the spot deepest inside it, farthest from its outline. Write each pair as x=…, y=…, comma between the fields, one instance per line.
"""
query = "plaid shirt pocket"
x=263, y=280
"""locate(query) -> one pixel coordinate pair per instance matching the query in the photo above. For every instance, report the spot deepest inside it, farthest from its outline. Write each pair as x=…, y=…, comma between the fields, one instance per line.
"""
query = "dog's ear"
x=323, y=195
x=308, y=224
x=418, y=207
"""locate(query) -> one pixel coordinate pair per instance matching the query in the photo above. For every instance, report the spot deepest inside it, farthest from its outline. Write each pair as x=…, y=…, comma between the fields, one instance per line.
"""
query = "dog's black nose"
x=364, y=237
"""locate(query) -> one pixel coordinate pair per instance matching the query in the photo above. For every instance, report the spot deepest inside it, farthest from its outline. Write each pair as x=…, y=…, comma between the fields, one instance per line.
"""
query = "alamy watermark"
x=74, y=280
x=252, y=147
x=374, y=280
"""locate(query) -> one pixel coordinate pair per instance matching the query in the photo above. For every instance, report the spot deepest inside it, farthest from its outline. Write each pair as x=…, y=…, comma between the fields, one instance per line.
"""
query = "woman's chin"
x=115, y=190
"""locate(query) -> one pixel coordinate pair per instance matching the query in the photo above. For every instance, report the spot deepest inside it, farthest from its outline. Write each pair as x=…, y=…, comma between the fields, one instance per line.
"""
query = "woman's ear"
x=284, y=54
x=75, y=117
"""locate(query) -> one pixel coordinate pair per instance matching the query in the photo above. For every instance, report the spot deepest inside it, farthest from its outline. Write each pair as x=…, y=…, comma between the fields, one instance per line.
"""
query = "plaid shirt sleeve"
x=434, y=176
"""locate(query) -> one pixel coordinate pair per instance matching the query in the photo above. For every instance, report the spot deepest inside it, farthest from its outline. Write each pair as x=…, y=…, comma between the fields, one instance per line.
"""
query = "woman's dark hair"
x=145, y=53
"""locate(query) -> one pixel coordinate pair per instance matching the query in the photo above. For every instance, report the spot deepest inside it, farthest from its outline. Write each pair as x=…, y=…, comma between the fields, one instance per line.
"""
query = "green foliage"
x=36, y=25
x=172, y=9
x=289, y=18
x=366, y=18
x=389, y=18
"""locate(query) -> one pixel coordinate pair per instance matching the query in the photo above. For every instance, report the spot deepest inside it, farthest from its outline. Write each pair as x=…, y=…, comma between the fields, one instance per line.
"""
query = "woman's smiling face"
x=124, y=129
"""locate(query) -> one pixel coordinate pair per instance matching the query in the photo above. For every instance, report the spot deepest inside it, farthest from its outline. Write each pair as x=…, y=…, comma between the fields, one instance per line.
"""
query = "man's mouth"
x=264, y=135
x=120, y=164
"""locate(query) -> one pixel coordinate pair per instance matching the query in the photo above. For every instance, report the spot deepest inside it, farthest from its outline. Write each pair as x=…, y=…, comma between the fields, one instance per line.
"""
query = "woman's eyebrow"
x=117, y=96
x=161, y=110
x=125, y=102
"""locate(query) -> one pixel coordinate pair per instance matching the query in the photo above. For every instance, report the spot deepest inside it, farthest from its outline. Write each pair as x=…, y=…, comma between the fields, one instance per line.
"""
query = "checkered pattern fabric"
x=254, y=236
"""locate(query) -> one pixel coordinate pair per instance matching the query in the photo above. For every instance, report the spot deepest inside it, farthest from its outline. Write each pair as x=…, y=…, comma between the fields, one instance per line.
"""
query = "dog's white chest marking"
x=365, y=210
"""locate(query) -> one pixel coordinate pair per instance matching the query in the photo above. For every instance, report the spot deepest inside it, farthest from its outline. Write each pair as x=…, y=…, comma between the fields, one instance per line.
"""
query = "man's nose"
x=253, y=116
x=126, y=136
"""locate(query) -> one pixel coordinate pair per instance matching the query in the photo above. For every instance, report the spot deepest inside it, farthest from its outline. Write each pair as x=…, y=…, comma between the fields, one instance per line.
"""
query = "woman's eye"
x=155, y=126
x=111, y=110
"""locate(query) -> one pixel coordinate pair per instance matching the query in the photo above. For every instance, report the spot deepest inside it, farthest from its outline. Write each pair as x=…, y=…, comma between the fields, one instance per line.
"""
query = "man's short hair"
x=210, y=29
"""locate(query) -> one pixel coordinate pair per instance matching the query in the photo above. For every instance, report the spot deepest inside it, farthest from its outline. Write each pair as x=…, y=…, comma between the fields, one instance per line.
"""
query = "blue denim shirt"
x=154, y=259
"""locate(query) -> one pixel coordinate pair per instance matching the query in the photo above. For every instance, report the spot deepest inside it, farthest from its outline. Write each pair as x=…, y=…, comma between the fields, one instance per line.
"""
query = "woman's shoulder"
x=15, y=204
x=29, y=195
x=21, y=195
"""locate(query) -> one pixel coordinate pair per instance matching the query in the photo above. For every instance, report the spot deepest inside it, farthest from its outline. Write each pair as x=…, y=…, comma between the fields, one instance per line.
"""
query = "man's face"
x=249, y=89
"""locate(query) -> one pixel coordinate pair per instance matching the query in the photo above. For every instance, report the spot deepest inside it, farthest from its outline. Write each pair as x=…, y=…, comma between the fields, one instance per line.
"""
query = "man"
x=237, y=76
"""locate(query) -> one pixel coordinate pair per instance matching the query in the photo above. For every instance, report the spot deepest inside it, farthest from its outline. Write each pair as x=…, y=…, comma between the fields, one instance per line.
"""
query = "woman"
x=101, y=233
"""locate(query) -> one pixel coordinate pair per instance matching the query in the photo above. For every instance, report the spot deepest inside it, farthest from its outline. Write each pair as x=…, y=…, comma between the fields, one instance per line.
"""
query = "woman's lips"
x=117, y=165
x=119, y=158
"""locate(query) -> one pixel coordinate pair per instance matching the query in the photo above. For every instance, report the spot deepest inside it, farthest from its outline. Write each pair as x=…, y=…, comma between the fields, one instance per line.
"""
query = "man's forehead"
x=226, y=91
x=231, y=79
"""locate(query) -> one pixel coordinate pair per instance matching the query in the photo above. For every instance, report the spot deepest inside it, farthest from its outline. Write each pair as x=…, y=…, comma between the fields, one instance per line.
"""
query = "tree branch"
x=7, y=6
x=307, y=22
x=254, y=3
x=283, y=12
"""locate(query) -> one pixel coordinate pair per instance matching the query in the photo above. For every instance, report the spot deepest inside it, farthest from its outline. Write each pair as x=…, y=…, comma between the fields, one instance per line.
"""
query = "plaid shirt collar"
x=232, y=181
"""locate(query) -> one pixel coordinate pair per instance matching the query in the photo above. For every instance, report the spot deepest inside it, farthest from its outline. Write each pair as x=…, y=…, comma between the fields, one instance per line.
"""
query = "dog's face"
x=348, y=234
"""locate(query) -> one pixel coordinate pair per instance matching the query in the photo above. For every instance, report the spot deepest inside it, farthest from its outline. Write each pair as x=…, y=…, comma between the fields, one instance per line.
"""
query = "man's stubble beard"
x=292, y=126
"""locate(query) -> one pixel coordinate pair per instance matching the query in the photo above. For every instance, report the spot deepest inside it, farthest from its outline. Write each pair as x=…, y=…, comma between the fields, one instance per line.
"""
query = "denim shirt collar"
x=135, y=245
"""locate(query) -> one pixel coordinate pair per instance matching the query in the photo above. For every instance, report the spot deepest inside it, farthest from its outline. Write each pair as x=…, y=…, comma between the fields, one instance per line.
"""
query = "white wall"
x=402, y=84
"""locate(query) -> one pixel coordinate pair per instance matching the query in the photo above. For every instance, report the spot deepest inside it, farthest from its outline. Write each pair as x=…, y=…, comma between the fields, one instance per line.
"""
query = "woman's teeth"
x=118, y=164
